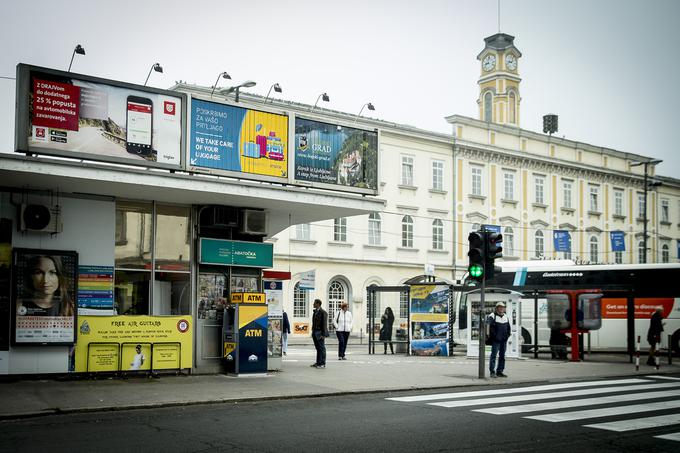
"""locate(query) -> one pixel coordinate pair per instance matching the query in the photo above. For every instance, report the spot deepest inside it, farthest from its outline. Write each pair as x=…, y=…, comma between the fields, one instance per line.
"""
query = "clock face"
x=489, y=62
x=511, y=62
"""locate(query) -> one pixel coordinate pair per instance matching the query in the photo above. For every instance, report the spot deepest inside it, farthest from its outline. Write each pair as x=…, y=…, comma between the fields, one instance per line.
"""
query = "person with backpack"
x=343, y=326
x=498, y=333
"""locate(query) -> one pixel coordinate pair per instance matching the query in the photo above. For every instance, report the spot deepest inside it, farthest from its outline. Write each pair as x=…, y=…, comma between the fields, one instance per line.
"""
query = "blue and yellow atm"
x=244, y=334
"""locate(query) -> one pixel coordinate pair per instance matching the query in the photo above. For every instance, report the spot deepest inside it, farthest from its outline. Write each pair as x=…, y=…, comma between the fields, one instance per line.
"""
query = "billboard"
x=336, y=157
x=67, y=114
x=45, y=287
x=229, y=139
x=429, y=312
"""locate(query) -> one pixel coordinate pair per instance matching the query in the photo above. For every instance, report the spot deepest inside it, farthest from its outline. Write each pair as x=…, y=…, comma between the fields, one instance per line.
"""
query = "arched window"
x=642, y=256
x=374, y=226
x=594, y=252
x=407, y=231
x=337, y=294
x=665, y=254
x=487, y=107
x=437, y=235
x=539, y=244
x=508, y=241
x=512, y=103
x=300, y=302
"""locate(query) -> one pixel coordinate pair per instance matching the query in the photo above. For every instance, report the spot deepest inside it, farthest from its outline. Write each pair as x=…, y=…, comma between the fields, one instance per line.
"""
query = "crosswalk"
x=632, y=404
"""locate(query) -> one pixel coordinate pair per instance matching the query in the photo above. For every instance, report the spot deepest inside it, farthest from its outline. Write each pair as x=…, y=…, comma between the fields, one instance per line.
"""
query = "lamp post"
x=223, y=75
x=80, y=50
x=276, y=87
x=646, y=186
x=155, y=67
x=323, y=96
x=236, y=89
x=370, y=107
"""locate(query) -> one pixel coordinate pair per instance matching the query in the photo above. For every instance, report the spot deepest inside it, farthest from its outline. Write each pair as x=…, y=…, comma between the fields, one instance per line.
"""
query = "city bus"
x=648, y=285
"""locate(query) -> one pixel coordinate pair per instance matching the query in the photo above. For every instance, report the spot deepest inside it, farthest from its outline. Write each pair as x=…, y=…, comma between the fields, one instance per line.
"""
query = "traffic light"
x=476, y=255
x=493, y=250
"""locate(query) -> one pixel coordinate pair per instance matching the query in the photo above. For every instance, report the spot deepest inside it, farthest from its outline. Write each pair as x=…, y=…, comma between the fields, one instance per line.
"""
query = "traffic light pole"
x=482, y=332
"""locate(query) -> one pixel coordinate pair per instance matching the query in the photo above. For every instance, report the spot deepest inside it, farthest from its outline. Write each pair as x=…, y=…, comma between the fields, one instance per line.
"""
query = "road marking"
x=546, y=396
x=535, y=388
x=664, y=377
x=638, y=423
x=606, y=412
x=672, y=436
x=505, y=410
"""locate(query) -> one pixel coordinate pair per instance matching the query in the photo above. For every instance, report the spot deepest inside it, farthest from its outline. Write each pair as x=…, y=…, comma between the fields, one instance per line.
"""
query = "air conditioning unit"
x=218, y=217
x=39, y=218
x=253, y=222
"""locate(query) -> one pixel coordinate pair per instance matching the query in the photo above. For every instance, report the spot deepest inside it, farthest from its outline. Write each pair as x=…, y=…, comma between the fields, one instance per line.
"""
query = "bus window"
x=558, y=305
x=589, y=305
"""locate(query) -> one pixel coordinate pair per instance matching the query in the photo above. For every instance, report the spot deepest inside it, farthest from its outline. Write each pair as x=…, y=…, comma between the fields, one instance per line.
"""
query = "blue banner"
x=618, y=239
x=492, y=228
x=561, y=241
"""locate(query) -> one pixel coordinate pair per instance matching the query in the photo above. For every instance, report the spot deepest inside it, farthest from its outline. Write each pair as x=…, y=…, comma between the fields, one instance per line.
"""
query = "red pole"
x=575, y=357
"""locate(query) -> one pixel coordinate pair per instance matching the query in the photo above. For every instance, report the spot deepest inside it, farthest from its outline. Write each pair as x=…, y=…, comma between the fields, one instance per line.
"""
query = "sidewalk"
x=361, y=372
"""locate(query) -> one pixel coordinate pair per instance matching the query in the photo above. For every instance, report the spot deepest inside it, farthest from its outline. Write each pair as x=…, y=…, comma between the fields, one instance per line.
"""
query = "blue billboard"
x=618, y=239
x=561, y=241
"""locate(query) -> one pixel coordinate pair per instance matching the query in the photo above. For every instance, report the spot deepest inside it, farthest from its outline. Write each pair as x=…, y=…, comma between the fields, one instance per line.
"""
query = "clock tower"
x=499, y=81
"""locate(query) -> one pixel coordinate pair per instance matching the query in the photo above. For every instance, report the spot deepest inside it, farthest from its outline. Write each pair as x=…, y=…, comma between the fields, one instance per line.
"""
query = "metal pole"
x=637, y=354
x=630, y=318
x=482, y=329
x=644, y=216
x=535, y=324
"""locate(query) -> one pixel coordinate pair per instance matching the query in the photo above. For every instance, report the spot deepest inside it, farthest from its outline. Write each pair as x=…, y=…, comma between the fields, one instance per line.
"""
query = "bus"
x=647, y=286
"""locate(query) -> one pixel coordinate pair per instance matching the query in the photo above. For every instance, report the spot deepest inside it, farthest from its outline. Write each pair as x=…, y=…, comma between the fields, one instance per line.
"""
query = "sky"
x=608, y=68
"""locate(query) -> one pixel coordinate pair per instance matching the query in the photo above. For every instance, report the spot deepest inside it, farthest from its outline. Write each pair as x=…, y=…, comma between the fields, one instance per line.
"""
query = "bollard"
x=637, y=354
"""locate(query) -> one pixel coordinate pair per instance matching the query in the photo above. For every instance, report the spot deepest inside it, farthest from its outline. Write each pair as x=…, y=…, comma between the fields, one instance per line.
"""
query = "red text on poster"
x=644, y=307
x=55, y=105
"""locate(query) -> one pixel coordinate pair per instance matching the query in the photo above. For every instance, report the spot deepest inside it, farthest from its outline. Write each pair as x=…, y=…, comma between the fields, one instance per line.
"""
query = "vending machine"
x=244, y=334
x=511, y=299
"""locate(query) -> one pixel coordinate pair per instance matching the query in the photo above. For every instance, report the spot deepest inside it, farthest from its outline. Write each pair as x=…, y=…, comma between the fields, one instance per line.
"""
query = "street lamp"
x=155, y=67
x=224, y=75
x=370, y=107
x=323, y=96
x=236, y=89
x=647, y=185
x=276, y=87
x=80, y=50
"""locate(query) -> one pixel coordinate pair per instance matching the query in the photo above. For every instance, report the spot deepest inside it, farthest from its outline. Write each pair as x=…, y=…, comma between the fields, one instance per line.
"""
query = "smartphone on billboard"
x=139, y=125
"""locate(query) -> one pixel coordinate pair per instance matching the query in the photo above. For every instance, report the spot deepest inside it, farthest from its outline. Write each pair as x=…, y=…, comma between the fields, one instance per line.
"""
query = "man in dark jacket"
x=498, y=329
x=319, y=333
x=654, y=334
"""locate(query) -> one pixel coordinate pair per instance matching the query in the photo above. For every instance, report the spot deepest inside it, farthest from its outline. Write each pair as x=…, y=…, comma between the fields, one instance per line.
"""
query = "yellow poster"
x=134, y=343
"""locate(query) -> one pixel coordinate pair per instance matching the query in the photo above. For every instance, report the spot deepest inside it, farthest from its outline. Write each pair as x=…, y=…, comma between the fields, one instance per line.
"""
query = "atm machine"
x=244, y=334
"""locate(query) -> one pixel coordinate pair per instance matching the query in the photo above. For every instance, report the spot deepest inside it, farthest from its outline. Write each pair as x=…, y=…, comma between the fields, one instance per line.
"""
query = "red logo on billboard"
x=182, y=325
x=55, y=105
x=40, y=132
x=169, y=107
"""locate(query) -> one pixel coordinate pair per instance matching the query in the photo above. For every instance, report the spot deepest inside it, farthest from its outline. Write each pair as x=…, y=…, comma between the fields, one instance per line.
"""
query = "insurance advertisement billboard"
x=66, y=114
x=237, y=141
x=335, y=156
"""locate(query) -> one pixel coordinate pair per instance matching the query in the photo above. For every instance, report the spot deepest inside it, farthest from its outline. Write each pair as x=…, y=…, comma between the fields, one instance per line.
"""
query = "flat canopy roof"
x=286, y=204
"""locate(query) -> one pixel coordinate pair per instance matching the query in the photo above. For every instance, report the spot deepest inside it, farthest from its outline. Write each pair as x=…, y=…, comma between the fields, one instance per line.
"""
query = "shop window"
x=131, y=292
x=171, y=293
x=172, y=238
x=134, y=234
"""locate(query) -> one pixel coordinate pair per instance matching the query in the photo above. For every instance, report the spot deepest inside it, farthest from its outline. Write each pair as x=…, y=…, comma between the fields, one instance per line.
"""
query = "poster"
x=133, y=343
x=236, y=139
x=45, y=286
x=301, y=328
x=212, y=297
x=340, y=156
x=274, y=339
x=429, y=312
x=95, y=287
x=63, y=113
x=274, y=294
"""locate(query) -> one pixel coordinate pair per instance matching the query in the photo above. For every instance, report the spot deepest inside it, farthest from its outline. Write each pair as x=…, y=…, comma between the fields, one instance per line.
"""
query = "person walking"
x=387, y=321
x=285, y=331
x=343, y=326
x=654, y=334
x=498, y=330
x=319, y=333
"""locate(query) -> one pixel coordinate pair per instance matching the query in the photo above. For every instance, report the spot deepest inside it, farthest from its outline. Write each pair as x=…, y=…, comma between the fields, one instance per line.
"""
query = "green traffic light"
x=476, y=270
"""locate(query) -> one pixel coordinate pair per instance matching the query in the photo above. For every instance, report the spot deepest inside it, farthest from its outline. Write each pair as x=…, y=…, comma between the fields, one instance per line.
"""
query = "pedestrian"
x=319, y=333
x=654, y=334
x=387, y=321
x=284, y=333
x=558, y=342
x=498, y=331
x=343, y=326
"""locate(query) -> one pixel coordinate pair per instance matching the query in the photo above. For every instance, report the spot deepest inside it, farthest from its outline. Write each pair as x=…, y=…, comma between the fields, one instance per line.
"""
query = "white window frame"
x=618, y=257
x=665, y=253
x=509, y=185
x=594, y=248
x=437, y=174
x=594, y=198
x=300, y=302
x=437, y=234
x=508, y=241
x=407, y=231
x=374, y=227
x=476, y=180
x=665, y=210
x=618, y=202
x=642, y=255
x=539, y=244
x=407, y=169
x=303, y=232
x=641, y=206
x=340, y=229
x=567, y=194
x=539, y=189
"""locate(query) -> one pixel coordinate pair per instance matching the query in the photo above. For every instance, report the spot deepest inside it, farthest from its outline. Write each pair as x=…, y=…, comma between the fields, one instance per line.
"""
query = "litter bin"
x=401, y=336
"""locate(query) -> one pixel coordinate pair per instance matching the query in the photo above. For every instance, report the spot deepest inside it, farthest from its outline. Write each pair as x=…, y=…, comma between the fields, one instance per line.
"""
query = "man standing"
x=319, y=333
x=343, y=326
x=654, y=334
x=498, y=330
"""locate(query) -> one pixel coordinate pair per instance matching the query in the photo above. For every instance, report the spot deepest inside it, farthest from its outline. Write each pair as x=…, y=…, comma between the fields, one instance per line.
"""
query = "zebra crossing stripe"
x=638, y=423
x=552, y=395
x=606, y=412
x=535, y=388
x=665, y=377
x=671, y=436
x=505, y=410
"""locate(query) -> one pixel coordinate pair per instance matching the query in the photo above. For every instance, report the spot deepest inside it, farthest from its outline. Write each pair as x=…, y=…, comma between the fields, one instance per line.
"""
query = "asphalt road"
x=394, y=422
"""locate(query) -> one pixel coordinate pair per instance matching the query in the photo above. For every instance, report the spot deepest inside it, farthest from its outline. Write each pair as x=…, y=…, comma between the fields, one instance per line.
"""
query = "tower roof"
x=500, y=41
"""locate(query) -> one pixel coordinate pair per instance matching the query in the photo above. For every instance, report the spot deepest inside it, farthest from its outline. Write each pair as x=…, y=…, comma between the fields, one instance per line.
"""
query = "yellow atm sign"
x=248, y=298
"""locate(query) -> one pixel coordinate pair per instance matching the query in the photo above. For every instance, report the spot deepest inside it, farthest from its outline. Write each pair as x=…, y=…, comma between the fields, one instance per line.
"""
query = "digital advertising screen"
x=67, y=114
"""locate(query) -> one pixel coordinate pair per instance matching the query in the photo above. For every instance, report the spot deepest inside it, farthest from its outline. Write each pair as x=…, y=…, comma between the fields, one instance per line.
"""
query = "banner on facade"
x=95, y=287
x=67, y=114
x=307, y=280
x=226, y=138
x=335, y=156
x=429, y=312
x=562, y=241
x=236, y=253
x=618, y=239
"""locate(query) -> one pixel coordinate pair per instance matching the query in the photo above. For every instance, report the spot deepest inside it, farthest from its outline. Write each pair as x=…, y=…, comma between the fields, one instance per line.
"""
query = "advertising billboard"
x=66, y=114
x=236, y=253
x=45, y=288
x=335, y=156
x=238, y=141
x=429, y=311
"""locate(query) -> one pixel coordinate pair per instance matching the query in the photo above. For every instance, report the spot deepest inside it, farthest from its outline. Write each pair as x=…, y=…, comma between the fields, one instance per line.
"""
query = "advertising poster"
x=336, y=155
x=67, y=114
x=236, y=139
x=429, y=313
x=617, y=308
x=95, y=287
x=274, y=339
x=133, y=343
x=45, y=288
x=301, y=328
x=252, y=330
x=274, y=294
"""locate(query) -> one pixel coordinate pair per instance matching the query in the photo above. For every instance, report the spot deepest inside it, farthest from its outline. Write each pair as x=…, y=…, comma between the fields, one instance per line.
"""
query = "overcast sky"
x=608, y=68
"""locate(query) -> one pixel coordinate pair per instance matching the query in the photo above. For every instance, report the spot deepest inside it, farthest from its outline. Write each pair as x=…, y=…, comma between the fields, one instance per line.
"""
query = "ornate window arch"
x=407, y=231
x=665, y=254
x=539, y=244
x=488, y=107
x=437, y=234
x=594, y=249
x=337, y=294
